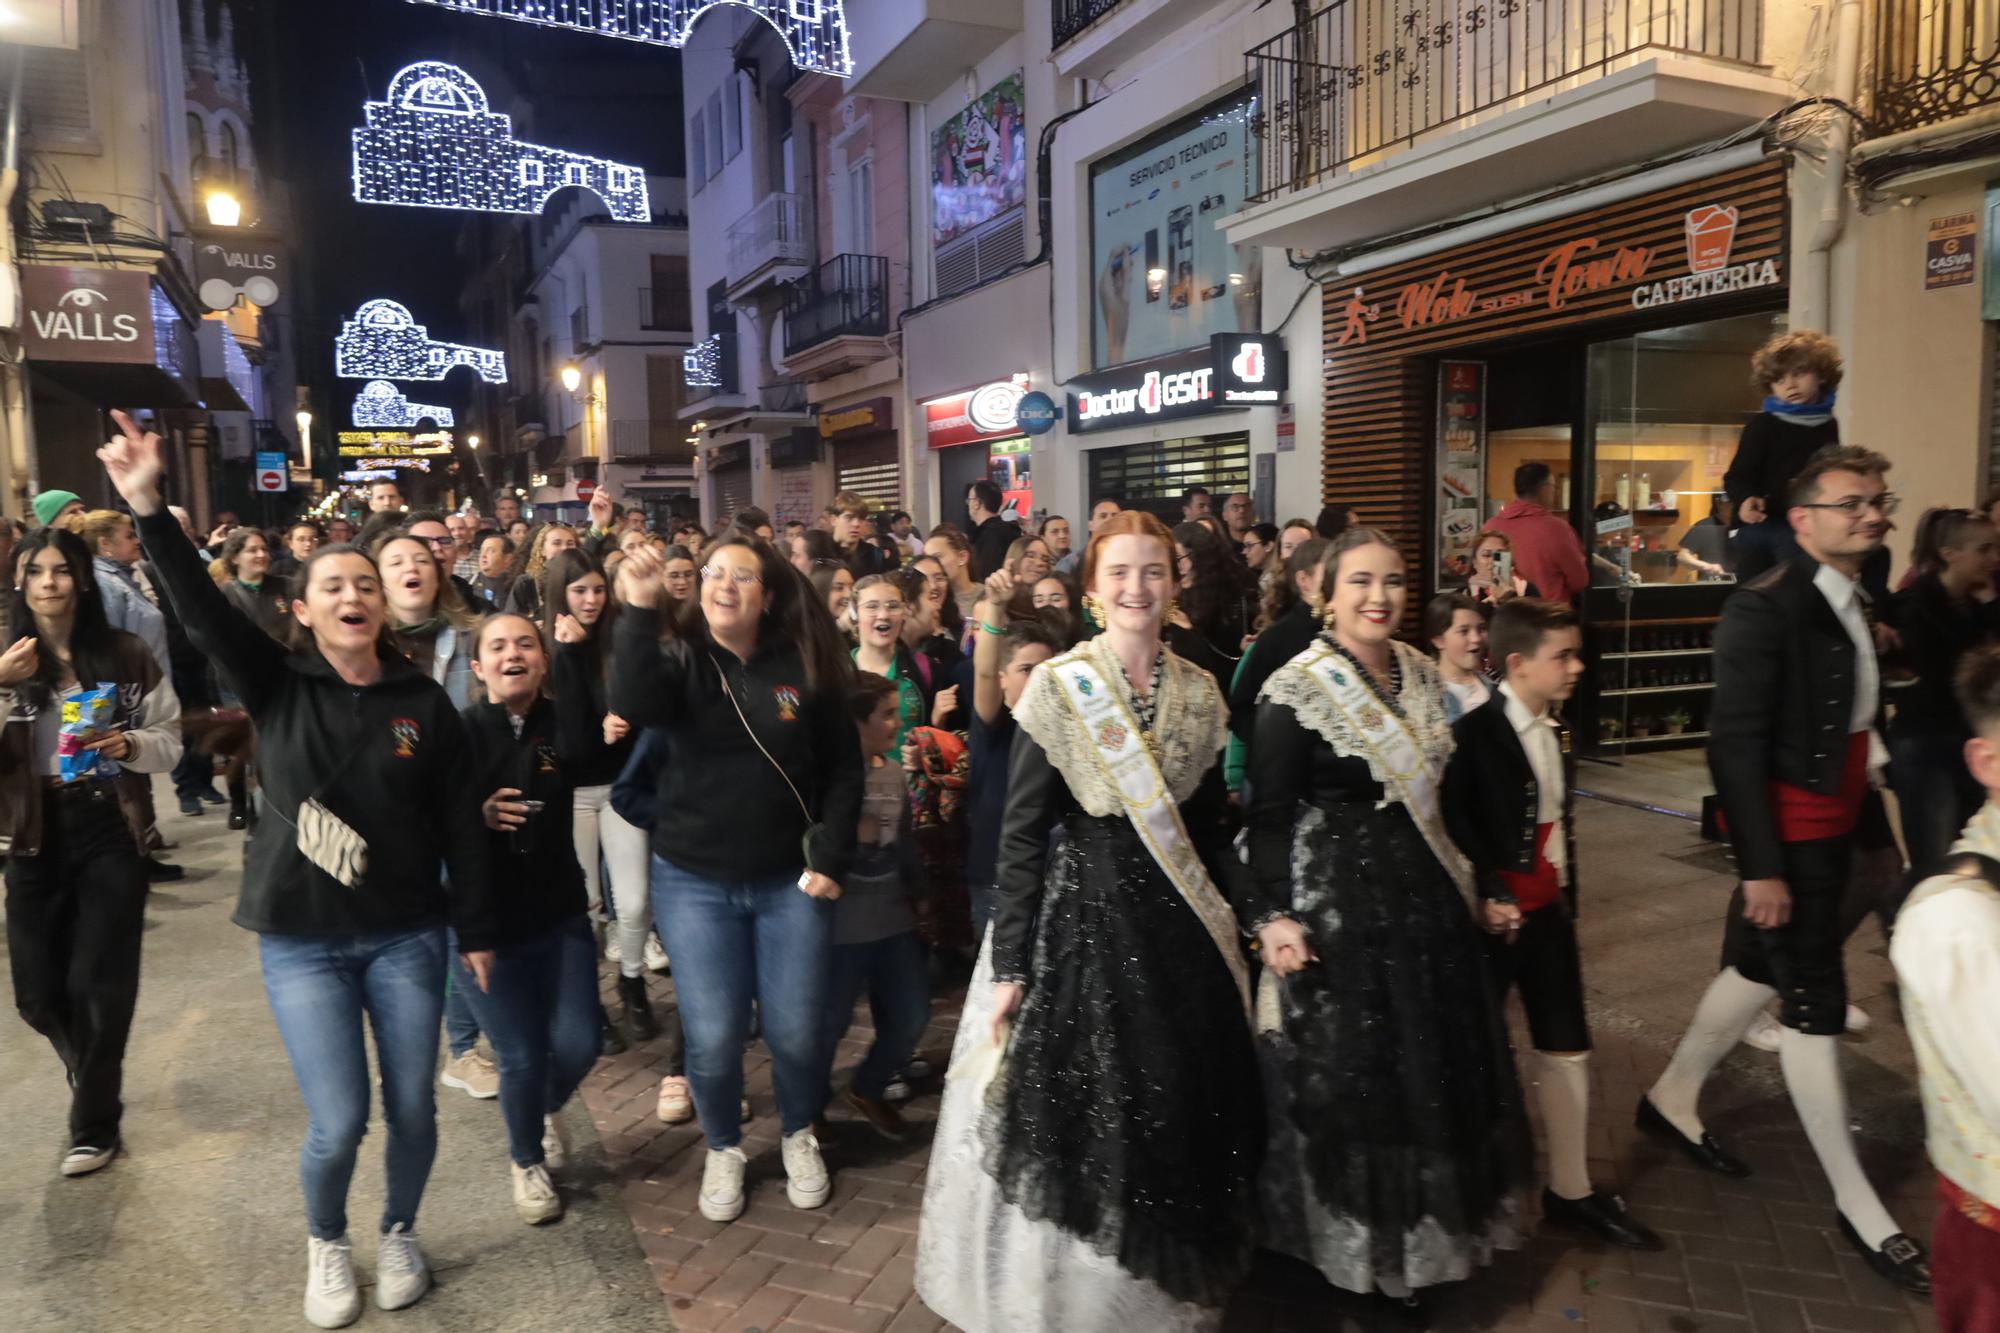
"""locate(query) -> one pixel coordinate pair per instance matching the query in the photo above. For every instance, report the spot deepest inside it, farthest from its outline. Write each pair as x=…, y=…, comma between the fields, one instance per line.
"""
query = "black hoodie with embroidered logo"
x=388, y=760
x=537, y=883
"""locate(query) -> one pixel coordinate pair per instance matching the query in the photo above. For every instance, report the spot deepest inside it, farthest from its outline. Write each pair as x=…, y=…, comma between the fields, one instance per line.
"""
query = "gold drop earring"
x=1094, y=609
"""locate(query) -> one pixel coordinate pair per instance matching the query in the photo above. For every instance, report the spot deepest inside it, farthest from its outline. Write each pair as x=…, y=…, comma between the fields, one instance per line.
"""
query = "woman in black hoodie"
x=539, y=1006
x=751, y=842
x=364, y=763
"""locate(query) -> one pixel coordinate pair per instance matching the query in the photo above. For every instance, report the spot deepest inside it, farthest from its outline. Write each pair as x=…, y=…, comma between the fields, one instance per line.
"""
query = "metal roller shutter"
x=1155, y=476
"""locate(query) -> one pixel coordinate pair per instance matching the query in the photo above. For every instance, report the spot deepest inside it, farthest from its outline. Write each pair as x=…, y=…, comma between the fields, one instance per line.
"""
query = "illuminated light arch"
x=384, y=341
x=814, y=31
x=434, y=142
x=382, y=405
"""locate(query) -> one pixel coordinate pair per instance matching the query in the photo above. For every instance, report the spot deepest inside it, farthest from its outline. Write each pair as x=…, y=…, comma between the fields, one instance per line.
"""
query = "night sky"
x=593, y=95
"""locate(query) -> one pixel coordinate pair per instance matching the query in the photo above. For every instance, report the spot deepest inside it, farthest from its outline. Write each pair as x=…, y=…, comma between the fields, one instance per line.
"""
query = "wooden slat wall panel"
x=1379, y=390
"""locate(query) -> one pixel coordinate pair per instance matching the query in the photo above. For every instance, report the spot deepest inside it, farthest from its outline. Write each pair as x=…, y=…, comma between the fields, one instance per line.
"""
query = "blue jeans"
x=731, y=942
x=541, y=1014
x=319, y=990
x=896, y=977
x=461, y=1028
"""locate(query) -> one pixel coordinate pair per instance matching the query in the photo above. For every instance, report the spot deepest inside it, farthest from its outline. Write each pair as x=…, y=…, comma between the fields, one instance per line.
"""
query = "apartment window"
x=197, y=134
x=715, y=158
x=861, y=207
x=698, y=152
x=732, y=117
x=230, y=149
x=666, y=305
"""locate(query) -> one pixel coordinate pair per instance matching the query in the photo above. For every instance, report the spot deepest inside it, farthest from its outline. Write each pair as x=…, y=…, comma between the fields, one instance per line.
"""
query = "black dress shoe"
x=163, y=872
x=1901, y=1259
x=238, y=819
x=1705, y=1152
x=1604, y=1213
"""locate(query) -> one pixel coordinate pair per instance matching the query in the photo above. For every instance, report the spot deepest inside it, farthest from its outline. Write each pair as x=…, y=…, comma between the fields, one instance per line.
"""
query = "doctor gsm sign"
x=1236, y=370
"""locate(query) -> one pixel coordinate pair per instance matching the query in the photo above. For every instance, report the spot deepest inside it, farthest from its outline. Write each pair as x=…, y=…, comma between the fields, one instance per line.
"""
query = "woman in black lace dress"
x=1105, y=1178
x=1397, y=1140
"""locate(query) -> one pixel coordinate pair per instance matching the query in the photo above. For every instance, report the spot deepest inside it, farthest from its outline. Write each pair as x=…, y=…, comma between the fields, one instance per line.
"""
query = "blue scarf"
x=1801, y=414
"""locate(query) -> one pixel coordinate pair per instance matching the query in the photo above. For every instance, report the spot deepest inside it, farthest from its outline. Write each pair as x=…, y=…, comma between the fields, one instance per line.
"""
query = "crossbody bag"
x=813, y=826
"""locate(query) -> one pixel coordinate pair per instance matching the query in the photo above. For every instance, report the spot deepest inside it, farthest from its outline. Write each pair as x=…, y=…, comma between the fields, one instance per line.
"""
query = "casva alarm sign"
x=1236, y=370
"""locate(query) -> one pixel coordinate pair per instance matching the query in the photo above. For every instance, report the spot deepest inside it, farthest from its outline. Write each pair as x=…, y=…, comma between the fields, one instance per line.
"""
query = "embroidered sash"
x=1115, y=738
x=1399, y=762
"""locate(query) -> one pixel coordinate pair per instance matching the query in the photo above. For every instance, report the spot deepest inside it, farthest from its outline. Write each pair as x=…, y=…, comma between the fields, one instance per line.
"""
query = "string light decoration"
x=382, y=404
x=435, y=144
x=383, y=341
x=701, y=364
x=814, y=31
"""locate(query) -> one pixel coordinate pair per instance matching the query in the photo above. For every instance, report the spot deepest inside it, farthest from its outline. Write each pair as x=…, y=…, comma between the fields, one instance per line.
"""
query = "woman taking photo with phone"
x=1104, y=1177
x=76, y=881
x=365, y=764
x=749, y=844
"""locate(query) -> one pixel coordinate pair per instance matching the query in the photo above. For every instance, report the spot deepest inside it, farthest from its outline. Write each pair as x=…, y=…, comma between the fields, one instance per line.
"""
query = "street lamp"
x=472, y=443
x=305, y=420
x=224, y=209
x=570, y=376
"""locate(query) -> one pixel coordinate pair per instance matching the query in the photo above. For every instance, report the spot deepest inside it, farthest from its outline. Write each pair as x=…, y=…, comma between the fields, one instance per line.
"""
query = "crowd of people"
x=1242, y=879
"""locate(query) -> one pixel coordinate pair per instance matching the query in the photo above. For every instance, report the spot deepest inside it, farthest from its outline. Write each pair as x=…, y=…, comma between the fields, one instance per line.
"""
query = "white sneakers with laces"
x=401, y=1275
x=721, y=1198
x=676, y=1104
x=555, y=1149
x=535, y=1197
x=656, y=955
x=332, y=1298
x=806, y=1181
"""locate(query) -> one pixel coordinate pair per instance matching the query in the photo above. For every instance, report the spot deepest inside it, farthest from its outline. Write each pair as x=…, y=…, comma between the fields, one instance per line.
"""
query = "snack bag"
x=86, y=716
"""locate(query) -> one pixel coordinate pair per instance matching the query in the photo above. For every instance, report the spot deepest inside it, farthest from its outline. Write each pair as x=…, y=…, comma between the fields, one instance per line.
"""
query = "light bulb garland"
x=384, y=341
x=814, y=31
x=701, y=364
x=382, y=404
x=435, y=144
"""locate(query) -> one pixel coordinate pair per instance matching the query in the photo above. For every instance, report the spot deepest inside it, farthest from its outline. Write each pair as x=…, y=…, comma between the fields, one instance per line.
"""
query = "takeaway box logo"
x=1711, y=232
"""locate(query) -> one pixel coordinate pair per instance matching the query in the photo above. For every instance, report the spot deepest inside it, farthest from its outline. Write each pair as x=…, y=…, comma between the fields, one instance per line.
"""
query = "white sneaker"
x=472, y=1074
x=656, y=954
x=332, y=1299
x=1764, y=1033
x=897, y=1090
x=535, y=1197
x=676, y=1105
x=806, y=1181
x=612, y=953
x=721, y=1197
x=401, y=1275
x=555, y=1152
x=1858, y=1019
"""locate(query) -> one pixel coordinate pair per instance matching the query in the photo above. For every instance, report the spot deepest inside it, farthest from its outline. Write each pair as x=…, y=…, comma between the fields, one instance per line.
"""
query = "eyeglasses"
x=1884, y=504
x=739, y=577
x=436, y=541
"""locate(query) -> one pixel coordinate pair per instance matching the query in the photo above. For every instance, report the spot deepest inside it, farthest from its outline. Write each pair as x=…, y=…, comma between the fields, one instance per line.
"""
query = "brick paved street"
x=1762, y=1254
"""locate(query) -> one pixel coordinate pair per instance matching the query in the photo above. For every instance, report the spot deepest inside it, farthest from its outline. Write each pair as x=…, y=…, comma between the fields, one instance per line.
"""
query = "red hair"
x=1127, y=523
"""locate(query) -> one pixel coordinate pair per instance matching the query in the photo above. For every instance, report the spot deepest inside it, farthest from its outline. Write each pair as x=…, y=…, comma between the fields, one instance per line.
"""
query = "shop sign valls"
x=1576, y=268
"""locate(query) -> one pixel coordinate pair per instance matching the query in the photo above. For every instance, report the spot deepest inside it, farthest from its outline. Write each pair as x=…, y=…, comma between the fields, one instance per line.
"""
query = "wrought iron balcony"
x=1067, y=18
x=846, y=297
x=1934, y=61
x=1361, y=77
x=650, y=441
x=773, y=235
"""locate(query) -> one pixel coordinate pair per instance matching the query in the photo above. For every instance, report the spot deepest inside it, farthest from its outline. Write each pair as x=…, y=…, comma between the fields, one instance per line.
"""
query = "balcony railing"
x=1364, y=76
x=782, y=396
x=654, y=441
x=664, y=310
x=847, y=296
x=1934, y=61
x=1067, y=18
x=774, y=232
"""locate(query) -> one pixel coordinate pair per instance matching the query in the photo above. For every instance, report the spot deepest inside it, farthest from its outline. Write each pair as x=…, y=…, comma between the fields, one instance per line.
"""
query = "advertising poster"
x=1162, y=277
x=1951, y=251
x=979, y=166
x=1008, y=464
x=1461, y=465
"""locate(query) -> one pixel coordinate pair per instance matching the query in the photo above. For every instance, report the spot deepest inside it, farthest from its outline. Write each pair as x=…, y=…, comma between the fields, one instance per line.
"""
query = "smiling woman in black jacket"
x=364, y=765
x=752, y=680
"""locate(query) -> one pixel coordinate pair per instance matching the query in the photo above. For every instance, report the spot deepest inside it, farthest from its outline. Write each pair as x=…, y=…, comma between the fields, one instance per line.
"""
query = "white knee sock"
x=1719, y=1022
x=1812, y=1074
x=1562, y=1087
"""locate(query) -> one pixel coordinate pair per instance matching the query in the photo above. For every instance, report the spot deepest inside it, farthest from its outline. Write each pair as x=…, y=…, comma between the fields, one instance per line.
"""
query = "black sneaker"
x=190, y=805
x=238, y=819
x=85, y=1158
x=163, y=872
x=212, y=797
